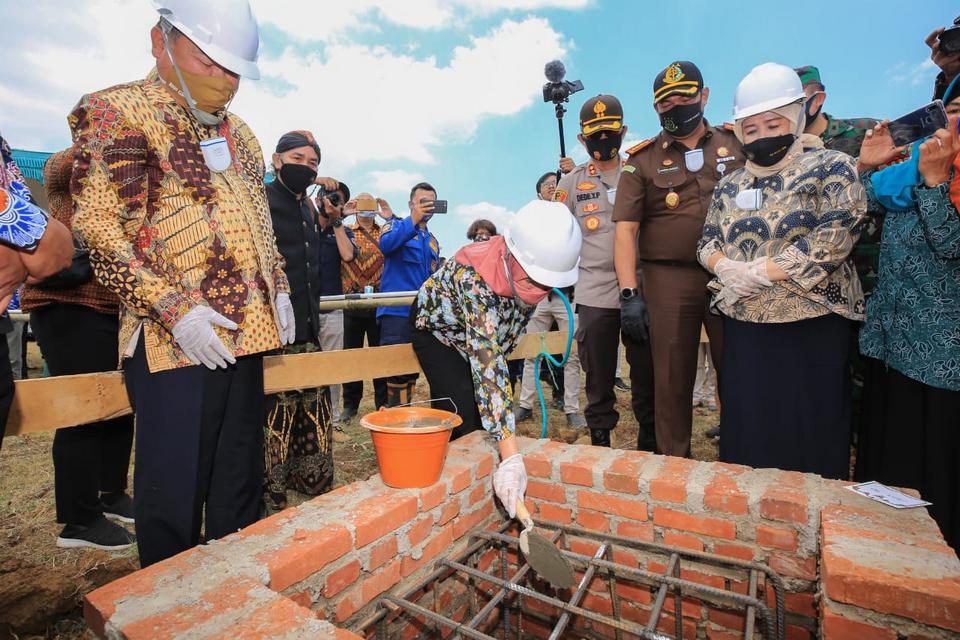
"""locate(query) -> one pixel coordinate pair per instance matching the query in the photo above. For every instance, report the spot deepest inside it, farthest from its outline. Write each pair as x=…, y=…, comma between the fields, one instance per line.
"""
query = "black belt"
x=672, y=263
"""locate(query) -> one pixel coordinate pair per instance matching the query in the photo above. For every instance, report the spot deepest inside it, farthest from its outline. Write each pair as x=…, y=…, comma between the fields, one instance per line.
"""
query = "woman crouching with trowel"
x=471, y=313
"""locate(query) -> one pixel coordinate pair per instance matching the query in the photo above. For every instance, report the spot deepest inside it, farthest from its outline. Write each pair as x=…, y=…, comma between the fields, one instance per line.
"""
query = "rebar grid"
x=511, y=588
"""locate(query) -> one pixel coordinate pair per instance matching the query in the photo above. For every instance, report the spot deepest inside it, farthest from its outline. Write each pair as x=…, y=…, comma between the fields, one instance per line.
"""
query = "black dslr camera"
x=950, y=38
x=332, y=196
x=558, y=90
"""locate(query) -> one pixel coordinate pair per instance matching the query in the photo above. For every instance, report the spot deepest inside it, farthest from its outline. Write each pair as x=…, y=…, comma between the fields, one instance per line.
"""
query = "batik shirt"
x=463, y=312
x=913, y=316
x=22, y=222
x=807, y=223
x=165, y=232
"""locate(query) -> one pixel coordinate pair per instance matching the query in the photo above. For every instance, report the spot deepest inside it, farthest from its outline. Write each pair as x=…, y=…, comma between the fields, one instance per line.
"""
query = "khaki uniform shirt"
x=655, y=170
x=590, y=194
x=165, y=232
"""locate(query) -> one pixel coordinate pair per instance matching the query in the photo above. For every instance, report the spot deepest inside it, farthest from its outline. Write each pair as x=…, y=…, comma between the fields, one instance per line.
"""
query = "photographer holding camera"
x=944, y=46
x=410, y=254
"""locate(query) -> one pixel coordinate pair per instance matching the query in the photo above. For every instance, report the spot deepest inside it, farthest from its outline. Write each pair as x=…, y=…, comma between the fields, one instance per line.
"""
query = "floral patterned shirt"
x=808, y=221
x=165, y=232
x=463, y=312
x=913, y=316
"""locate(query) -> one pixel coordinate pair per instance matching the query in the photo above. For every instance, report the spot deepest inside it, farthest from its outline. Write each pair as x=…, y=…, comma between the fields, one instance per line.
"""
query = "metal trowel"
x=543, y=556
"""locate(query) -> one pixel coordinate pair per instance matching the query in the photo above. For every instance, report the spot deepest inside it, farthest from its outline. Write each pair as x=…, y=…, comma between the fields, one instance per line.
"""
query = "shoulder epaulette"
x=640, y=146
x=728, y=126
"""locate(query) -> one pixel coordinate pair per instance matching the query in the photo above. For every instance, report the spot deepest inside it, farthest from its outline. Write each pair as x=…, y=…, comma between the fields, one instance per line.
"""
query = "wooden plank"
x=44, y=404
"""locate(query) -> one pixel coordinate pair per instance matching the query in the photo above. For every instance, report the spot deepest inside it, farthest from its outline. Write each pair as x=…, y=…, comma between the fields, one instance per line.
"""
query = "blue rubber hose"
x=543, y=354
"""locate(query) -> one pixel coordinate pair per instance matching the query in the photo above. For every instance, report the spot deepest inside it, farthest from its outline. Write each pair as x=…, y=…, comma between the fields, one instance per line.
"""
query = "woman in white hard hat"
x=778, y=236
x=470, y=314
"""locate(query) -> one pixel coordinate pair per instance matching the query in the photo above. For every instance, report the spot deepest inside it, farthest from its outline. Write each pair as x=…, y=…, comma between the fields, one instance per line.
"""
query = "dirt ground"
x=41, y=585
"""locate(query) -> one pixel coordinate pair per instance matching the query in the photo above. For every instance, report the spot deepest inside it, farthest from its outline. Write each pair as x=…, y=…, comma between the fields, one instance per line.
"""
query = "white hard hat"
x=225, y=30
x=767, y=86
x=545, y=239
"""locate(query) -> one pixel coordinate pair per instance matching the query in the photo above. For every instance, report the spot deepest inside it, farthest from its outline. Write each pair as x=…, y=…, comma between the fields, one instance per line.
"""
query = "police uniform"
x=410, y=255
x=669, y=194
x=589, y=194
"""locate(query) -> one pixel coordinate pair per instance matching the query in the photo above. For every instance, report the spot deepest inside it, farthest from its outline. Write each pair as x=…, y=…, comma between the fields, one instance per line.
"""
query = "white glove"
x=288, y=323
x=742, y=277
x=196, y=338
x=510, y=482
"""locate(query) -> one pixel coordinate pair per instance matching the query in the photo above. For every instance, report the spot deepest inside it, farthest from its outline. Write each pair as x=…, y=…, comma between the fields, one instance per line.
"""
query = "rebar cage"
x=487, y=591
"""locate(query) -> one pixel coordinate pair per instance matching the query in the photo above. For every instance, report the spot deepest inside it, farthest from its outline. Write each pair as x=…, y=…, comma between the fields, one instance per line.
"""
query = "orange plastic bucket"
x=411, y=443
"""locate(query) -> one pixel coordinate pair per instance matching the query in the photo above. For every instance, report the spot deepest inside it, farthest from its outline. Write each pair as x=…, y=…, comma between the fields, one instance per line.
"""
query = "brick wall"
x=316, y=570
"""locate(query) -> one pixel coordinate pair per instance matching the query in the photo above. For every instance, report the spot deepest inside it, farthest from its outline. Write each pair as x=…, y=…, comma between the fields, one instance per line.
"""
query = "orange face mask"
x=209, y=93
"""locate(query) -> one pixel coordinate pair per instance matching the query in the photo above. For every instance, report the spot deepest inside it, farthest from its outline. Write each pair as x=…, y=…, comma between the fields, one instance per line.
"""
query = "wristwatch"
x=627, y=293
x=337, y=223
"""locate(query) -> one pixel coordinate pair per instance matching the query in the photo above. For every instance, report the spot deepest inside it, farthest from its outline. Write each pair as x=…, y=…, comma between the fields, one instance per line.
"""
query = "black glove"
x=634, y=319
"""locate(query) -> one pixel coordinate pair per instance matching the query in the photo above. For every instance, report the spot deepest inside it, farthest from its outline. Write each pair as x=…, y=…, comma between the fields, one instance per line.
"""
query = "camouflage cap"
x=808, y=73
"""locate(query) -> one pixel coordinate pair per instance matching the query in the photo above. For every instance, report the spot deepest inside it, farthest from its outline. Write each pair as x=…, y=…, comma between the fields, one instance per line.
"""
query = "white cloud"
x=394, y=181
x=495, y=213
x=913, y=74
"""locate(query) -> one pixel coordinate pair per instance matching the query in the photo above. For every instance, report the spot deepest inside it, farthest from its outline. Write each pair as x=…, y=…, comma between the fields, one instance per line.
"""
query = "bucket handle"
x=456, y=411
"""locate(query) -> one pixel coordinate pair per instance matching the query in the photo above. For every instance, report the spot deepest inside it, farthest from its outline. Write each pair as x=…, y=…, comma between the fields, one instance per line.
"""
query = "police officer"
x=665, y=190
x=410, y=254
x=589, y=192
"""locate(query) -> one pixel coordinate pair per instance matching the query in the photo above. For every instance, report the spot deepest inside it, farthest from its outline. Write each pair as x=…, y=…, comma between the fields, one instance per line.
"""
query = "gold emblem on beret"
x=672, y=200
x=723, y=152
x=599, y=109
x=667, y=162
x=674, y=74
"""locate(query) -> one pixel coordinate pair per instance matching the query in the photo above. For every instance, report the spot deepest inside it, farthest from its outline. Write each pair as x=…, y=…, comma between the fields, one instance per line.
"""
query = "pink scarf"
x=491, y=259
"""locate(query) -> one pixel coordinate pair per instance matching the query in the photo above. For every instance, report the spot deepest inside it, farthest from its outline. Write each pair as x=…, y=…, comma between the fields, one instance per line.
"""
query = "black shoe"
x=521, y=414
x=348, y=414
x=600, y=437
x=119, y=509
x=713, y=432
x=557, y=403
x=621, y=385
x=101, y=534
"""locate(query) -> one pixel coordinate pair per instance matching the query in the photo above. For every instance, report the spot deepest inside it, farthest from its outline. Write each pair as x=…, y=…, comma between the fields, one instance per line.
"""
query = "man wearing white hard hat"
x=170, y=199
x=472, y=311
x=778, y=237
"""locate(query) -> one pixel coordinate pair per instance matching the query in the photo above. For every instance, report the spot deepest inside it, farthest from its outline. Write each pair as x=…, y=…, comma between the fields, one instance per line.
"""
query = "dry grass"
x=28, y=525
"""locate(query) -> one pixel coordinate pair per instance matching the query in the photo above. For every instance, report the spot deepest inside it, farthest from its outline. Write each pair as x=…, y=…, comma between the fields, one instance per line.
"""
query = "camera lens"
x=334, y=199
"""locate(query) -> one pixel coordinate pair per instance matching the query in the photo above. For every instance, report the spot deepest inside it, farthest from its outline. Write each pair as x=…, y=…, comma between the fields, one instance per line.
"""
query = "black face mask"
x=681, y=120
x=767, y=152
x=810, y=117
x=605, y=149
x=296, y=177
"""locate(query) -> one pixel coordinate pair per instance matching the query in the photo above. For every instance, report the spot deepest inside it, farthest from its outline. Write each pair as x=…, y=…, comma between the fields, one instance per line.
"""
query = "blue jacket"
x=410, y=256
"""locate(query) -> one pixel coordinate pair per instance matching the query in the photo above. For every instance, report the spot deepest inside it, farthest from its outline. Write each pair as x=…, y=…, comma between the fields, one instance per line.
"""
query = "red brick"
x=278, y=617
x=450, y=511
x=784, y=504
x=546, y=491
x=579, y=470
x=795, y=632
x=633, y=613
x=341, y=578
x=593, y=520
x=737, y=551
x=431, y=550
x=736, y=620
x=642, y=531
x=484, y=467
x=306, y=554
x=381, y=552
x=670, y=485
x=380, y=581
x=776, y=537
x=724, y=495
x=375, y=517
x=478, y=493
x=583, y=547
x=623, y=507
x=349, y=603
x=837, y=627
x=720, y=634
x=538, y=465
x=433, y=496
x=667, y=624
x=553, y=513
x=419, y=530
x=466, y=522
x=461, y=477
x=598, y=604
x=714, y=527
x=717, y=582
x=794, y=566
x=635, y=593
x=302, y=598
x=624, y=473
x=682, y=540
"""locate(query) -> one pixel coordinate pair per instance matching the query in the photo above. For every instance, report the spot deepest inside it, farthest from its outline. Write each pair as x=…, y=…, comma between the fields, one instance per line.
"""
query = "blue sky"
x=448, y=90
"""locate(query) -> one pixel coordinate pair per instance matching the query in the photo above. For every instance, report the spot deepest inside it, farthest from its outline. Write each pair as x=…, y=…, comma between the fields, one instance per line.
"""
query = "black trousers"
x=396, y=330
x=199, y=454
x=6, y=385
x=598, y=339
x=91, y=458
x=356, y=327
x=449, y=376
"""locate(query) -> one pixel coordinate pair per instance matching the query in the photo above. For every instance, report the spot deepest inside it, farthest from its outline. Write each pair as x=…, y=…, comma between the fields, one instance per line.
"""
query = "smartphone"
x=918, y=124
x=366, y=203
x=439, y=206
